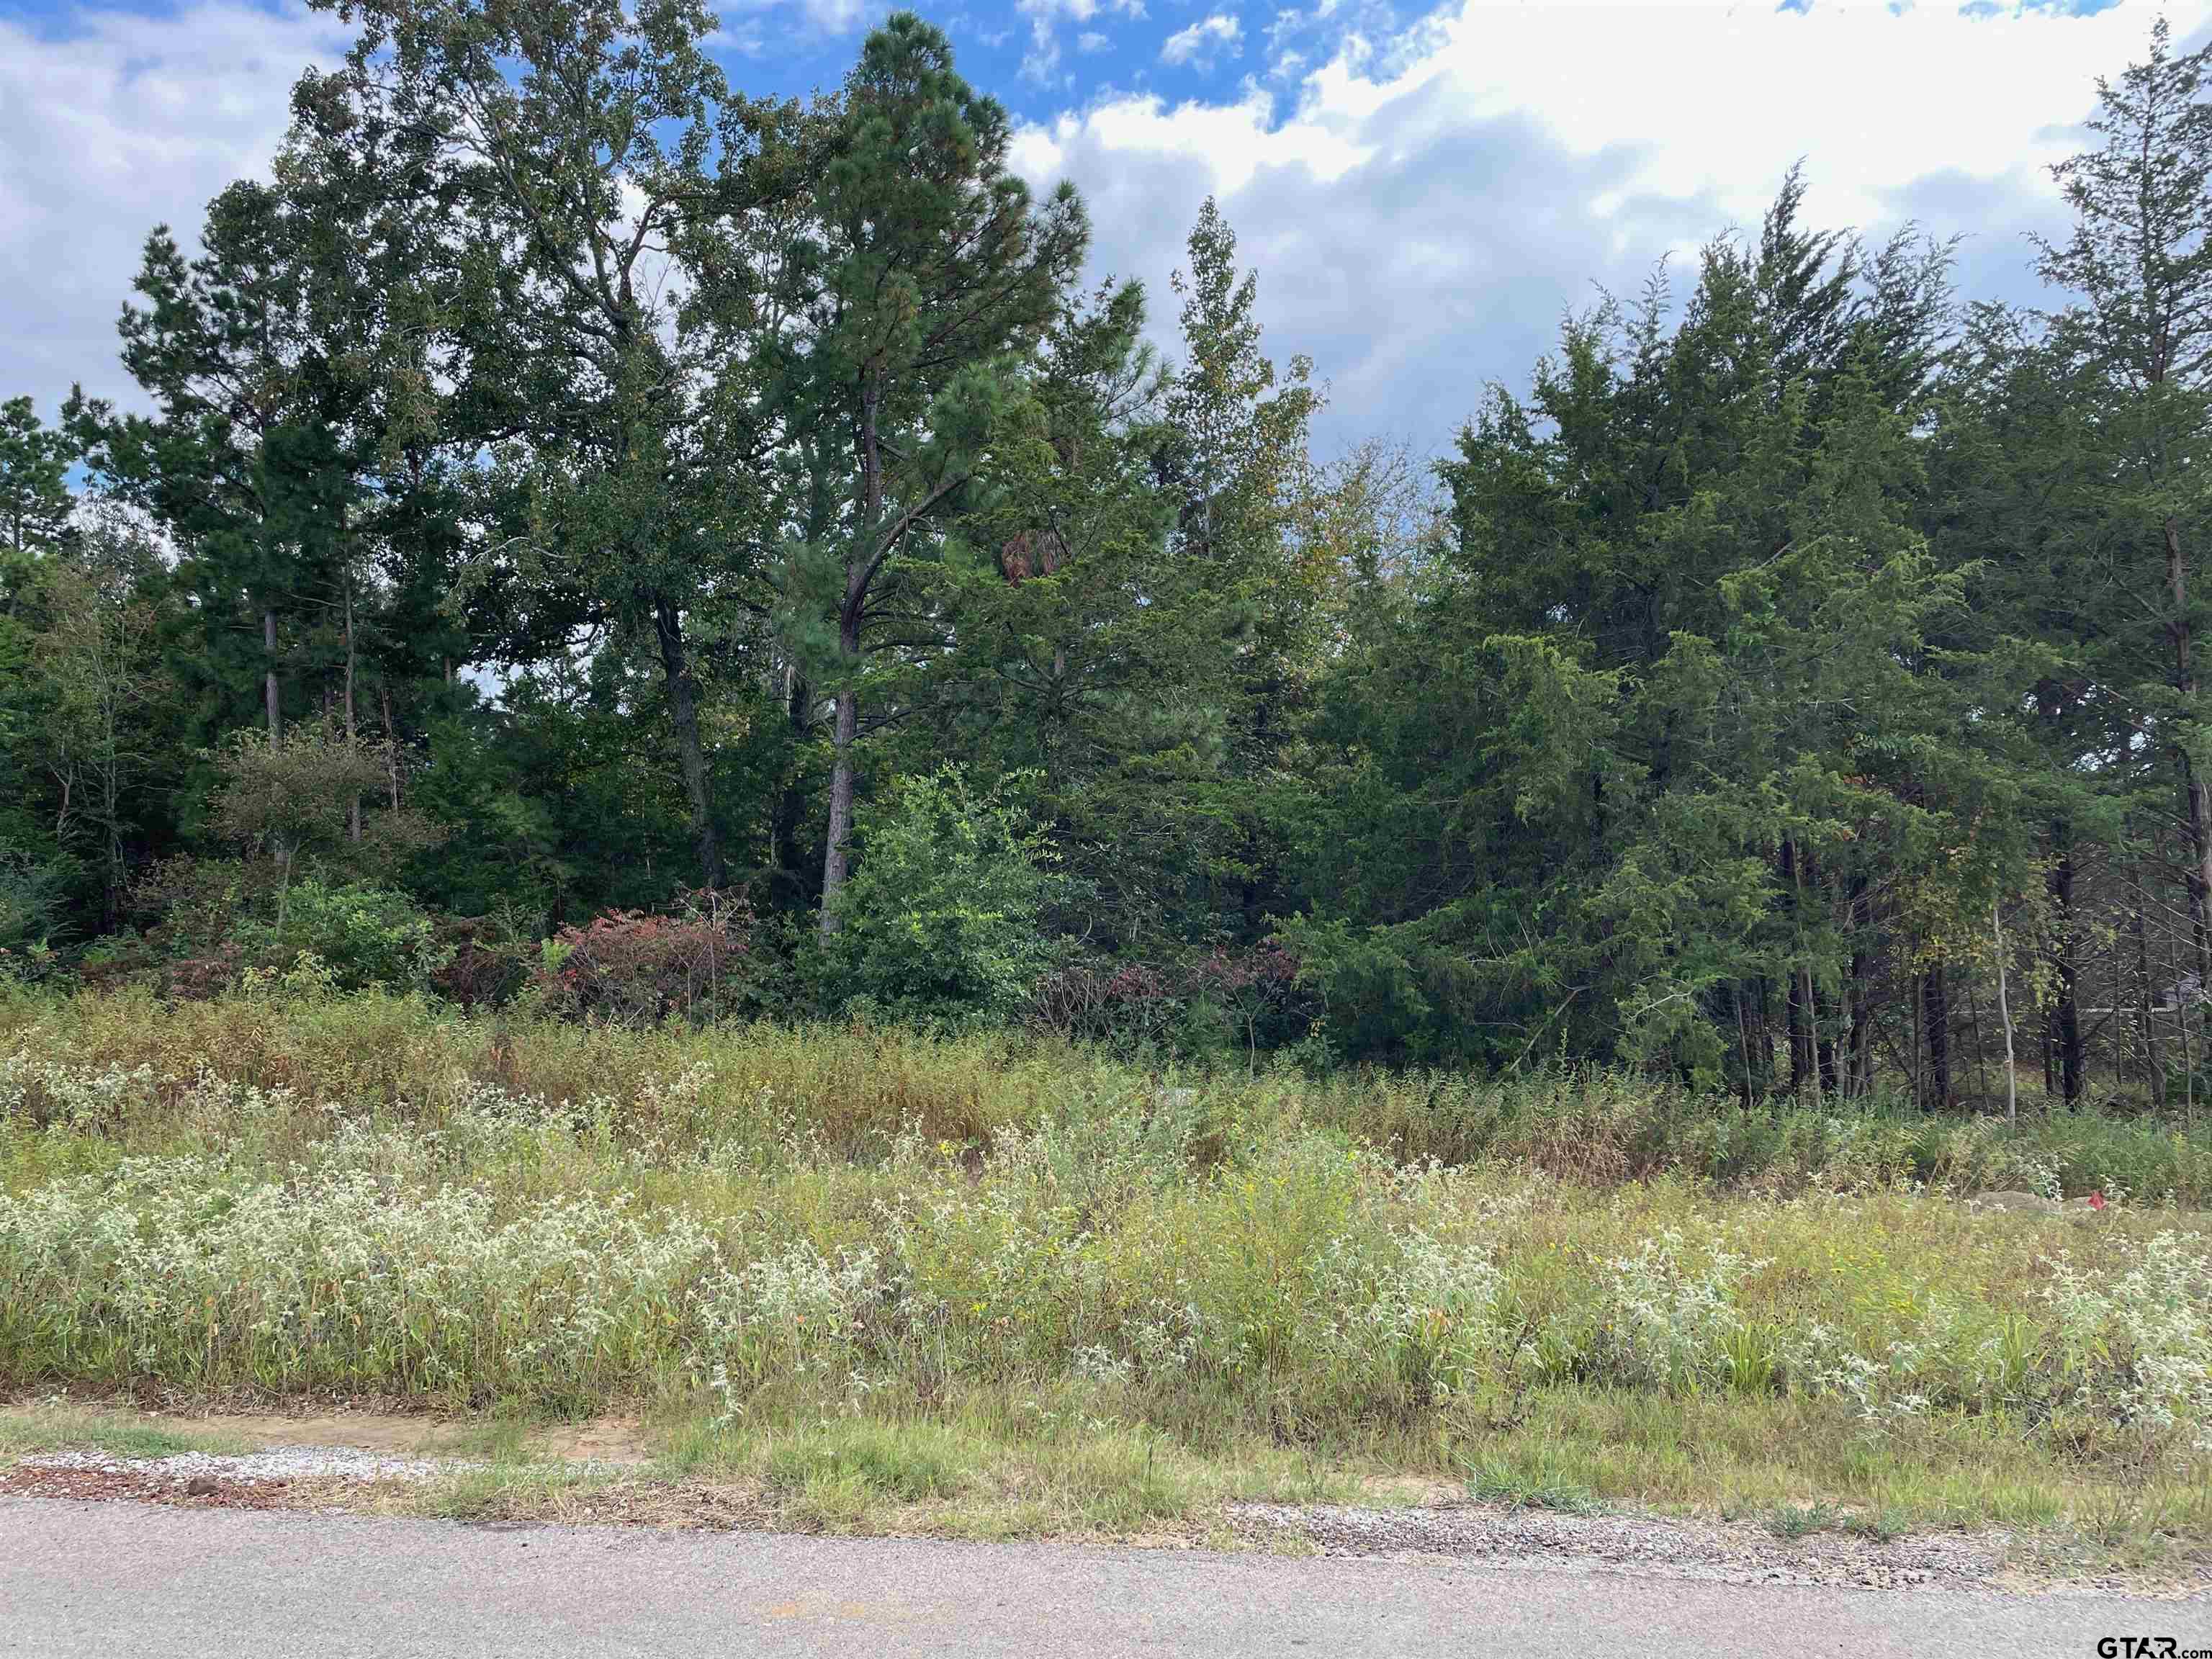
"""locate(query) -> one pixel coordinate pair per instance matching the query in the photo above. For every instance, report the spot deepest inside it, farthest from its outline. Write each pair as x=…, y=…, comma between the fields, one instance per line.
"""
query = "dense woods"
x=591, y=535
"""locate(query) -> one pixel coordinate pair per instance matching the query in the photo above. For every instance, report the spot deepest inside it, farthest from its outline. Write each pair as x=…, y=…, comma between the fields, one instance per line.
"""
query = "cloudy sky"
x=1423, y=193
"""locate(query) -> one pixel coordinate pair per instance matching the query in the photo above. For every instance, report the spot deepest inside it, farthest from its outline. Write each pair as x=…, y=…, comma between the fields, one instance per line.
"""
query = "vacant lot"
x=1023, y=1287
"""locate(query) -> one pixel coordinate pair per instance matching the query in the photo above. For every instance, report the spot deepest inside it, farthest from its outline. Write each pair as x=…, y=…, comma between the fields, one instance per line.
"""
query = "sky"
x=1423, y=193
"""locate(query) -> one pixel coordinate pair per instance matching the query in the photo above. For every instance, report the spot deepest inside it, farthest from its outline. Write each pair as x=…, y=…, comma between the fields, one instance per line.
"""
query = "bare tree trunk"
x=352, y=730
x=2153, y=1066
x=1861, y=1003
x=836, y=858
x=835, y=861
x=269, y=692
x=1798, y=995
x=690, y=750
x=391, y=745
x=2004, y=1013
x=1919, y=1065
x=2183, y=1015
x=1935, y=1002
x=2067, y=1009
x=1981, y=1060
x=1742, y=1039
x=2050, y=1052
x=790, y=811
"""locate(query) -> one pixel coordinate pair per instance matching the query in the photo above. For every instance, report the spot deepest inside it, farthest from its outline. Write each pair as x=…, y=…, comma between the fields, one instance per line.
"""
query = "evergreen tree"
x=930, y=279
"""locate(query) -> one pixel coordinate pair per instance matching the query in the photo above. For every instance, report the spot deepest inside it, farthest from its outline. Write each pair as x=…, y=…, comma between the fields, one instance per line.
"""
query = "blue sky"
x=1422, y=191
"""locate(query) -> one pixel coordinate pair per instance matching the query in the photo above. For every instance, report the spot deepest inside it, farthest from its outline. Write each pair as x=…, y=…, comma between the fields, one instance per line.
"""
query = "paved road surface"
x=150, y=1582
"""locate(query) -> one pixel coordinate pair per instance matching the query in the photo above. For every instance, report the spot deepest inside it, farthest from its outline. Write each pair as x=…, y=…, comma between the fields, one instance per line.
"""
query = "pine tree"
x=930, y=278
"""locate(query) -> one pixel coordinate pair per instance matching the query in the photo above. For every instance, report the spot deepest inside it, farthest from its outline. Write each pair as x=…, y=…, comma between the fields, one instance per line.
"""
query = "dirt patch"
x=707, y=1504
x=414, y=1436
x=92, y=1485
x=620, y=1440
x=617, y=1440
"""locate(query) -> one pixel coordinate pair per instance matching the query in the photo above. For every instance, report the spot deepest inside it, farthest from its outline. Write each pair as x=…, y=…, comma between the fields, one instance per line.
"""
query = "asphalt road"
x=148, y=1582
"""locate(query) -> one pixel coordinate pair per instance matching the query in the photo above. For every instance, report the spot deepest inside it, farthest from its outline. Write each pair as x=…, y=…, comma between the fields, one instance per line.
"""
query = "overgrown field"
x=789, y=1244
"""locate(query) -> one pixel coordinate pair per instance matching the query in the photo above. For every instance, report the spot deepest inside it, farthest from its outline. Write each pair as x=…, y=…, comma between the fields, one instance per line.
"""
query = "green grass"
x=29, y=1429
x=1795, y=1521
x=1509, y=1480
x=1017, y=1286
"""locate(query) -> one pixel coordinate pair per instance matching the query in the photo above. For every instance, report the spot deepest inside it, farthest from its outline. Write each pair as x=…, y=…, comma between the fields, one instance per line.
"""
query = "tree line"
x=574, y=506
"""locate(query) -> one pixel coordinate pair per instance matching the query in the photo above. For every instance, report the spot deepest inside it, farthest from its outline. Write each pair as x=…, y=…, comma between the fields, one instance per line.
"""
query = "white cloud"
x=1202, y=40
x=1091, y=41
x=1046, y=17
x=1423, y=205
x=125, y=123
x=827, y=16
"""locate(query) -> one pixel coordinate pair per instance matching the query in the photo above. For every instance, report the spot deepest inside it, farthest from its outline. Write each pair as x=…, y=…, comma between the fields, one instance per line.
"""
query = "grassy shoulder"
x=854, y=1279
x=1776, y=1472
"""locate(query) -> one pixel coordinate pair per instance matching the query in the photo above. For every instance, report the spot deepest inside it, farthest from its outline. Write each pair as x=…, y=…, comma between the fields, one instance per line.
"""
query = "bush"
x=489, y=959
x=364, y=936
x=1226, y=1001
x=631, y=969
x=30, y=902
x=942, y=920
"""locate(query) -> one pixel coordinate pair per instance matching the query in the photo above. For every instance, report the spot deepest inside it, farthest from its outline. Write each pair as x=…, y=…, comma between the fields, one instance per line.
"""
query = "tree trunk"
x=2049, y=1051
x=2153, y=1066
x=684, y=710
x=790, y=813
x=2197, y=799
x=1861, y=1001
x=1799, y=993
x=1824, y=1042
x=1935, y=1020
x=391, y=745
x=2066, y=1010
x=1742, y=1039
x=835, y=858
x=269, y=694
x=2004, y=1013
x=352, y=730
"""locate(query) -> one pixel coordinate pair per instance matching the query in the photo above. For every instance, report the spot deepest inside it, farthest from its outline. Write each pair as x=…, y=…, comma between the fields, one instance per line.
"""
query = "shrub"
x=487, y=961
x=942, y=920
x=191, y=908
x=631, y=969
x=1227, y=1000
x=363, y=935
x=30, y=902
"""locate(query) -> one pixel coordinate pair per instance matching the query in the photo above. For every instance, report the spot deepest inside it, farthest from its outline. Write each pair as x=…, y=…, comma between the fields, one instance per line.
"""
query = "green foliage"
x=566, y=484
x=943, y=919
x=31, y=903
x=362, y=935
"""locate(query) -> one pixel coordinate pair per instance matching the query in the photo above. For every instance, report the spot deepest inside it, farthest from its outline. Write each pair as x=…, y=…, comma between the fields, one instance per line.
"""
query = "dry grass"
x=867, y=1276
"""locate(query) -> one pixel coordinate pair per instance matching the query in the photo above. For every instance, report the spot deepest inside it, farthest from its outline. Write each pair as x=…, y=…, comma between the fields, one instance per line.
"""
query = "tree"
x=36, y=509
x=35, y=499
x=943, y=919
x=571, y=144
x=2140, y=260
x=1067, y=648
x=99, y=664
x=1655, y=739
x=250, y=460
x=929, y=279
x=296, y=797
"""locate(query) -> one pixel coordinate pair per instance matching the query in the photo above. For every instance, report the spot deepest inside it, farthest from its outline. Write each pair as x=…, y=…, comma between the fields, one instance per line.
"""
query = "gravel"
x=1716, y=1551
x=274, y=1466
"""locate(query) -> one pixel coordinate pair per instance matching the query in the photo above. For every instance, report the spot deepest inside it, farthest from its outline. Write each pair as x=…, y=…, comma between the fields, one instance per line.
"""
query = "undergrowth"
x=854, y=1250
